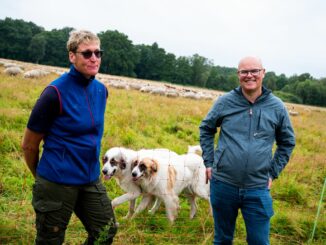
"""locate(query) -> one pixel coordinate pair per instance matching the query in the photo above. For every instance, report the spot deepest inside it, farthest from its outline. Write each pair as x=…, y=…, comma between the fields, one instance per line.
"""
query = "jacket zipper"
x=93, y=124
x=91, y=114
x=250, y=117
x=250, y=122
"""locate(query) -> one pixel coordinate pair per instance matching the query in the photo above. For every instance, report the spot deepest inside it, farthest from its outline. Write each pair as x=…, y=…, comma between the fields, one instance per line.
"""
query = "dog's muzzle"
x=135, y=176
x=106, y=175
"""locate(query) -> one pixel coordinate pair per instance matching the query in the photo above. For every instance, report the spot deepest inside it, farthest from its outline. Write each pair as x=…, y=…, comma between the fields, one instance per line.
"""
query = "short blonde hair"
x=76, y=37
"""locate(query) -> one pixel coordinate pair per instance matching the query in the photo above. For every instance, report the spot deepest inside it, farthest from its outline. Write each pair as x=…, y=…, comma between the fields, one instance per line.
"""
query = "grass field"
x=137, y=120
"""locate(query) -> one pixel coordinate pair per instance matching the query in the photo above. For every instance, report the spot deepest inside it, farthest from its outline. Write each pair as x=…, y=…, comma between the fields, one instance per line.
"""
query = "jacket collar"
x=263, y=96
x=80, y=77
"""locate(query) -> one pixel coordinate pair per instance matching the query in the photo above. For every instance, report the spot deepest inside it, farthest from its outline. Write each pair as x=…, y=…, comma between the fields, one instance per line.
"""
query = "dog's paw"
x=128, y=216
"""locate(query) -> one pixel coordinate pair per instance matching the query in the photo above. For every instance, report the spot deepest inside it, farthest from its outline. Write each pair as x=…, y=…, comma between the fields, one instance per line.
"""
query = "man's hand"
x=208, y=174
x=30, y=146
x=270, y=181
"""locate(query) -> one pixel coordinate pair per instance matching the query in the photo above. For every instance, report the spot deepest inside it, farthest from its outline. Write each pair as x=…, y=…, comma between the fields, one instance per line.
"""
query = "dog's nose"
x=134, y=174
x=104, y=171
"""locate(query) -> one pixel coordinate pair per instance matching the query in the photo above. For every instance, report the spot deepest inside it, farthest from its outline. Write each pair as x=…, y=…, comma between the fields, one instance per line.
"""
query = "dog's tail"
x=196, y=149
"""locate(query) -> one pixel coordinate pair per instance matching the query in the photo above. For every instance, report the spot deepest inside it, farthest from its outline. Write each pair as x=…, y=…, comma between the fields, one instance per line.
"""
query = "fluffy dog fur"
x=196, y=149
x=163, y=180
x=167, y=178
x=117, y=163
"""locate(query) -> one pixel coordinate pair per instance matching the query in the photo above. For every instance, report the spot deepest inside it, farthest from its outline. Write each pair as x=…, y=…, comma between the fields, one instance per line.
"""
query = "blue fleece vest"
x=72, y=147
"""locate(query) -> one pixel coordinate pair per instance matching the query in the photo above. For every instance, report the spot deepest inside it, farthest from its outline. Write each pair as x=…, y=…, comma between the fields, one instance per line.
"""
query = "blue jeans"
x=256, y=208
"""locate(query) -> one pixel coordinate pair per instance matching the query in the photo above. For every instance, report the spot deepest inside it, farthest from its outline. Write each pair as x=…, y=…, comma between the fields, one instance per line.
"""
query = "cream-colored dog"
x=117, y=163
x=167, y=178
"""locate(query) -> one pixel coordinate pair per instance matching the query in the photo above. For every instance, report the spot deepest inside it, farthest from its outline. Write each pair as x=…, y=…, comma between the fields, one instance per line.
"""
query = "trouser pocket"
x=95, y=211
x=52, y=216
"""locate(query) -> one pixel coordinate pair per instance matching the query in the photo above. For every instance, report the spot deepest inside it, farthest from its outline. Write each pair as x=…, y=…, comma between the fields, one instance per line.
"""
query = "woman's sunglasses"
x=88, y=54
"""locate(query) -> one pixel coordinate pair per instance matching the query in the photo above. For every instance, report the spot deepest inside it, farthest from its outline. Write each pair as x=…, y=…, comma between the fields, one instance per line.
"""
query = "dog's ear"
x=123, y=164
x=154, y=166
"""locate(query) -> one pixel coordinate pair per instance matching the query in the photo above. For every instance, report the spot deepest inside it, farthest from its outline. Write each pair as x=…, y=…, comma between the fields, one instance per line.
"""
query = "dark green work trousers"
x=54, y=204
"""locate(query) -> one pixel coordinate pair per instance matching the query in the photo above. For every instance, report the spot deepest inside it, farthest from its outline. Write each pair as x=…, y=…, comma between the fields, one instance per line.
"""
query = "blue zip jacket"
x=243, y=156
x=72, y=146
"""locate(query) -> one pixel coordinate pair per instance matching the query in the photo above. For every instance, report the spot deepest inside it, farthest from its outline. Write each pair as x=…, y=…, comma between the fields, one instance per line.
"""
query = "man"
x=242, y=167
x=69, y=118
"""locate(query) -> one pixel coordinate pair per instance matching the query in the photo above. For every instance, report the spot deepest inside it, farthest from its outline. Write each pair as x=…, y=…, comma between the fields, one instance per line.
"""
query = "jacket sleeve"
x=285, y=141
x=208, y=129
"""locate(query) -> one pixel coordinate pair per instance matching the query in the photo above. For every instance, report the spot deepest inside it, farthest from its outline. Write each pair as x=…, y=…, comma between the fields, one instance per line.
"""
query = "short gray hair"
x=76, y=37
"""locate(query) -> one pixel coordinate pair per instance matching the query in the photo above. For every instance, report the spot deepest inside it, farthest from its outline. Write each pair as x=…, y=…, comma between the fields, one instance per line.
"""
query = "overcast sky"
x=288, y=35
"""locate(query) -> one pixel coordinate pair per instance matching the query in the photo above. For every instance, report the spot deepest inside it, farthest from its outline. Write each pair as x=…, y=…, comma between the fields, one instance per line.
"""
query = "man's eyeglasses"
x=88, y=54
x=254, y=72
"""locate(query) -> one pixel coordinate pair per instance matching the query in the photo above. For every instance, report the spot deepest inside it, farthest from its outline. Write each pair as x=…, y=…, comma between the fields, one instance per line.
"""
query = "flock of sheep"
x=145, y=86
x=161, y=89
x=14, y=69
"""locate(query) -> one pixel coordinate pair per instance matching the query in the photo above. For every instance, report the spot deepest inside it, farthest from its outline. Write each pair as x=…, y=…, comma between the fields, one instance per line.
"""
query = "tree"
x=222, y=78
x=183, y=71
x=200, y=70
x=304, y=77
x=55, y=47
x=270, y=80
x=288, y=97
x=120, y=56
x=311, y=92
x=281, y=81
x=169, y=68
x=15, y=38
x=143, y=65
x=157, y=62
x=152, y=62
x=214, y=78
x=36, y=48
x=232, y=83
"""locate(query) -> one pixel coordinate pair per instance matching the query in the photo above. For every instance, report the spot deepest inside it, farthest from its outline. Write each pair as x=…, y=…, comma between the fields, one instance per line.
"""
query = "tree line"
x=26, y=41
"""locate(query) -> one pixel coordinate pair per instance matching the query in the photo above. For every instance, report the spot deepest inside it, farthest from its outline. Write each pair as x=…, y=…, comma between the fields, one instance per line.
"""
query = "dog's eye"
x=122, y=164
x=142, y=167
x=104, y=159
x=113, y=162
x=134, y=163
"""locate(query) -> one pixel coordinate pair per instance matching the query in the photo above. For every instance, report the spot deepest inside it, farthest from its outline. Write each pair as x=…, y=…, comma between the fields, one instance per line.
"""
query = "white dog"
x=161, y=179
x=117, y=162
x=167, y=178
x=195, y=149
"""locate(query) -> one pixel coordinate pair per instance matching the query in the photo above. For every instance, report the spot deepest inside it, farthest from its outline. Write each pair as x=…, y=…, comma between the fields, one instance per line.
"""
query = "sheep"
x=136, y=86
x=35, y=73
x=191, y=95
x=13, y=71
x=147, y=89
x=172, y=93
x=205, y=96
x=119, y=85
x=8, y=65
x=293, y=113
x=158, y=90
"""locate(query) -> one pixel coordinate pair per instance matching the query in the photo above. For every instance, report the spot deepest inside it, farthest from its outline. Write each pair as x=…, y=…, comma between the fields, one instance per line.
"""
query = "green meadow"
x=140, y=120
